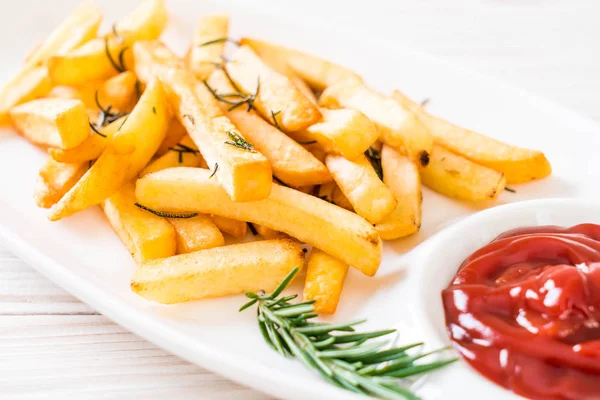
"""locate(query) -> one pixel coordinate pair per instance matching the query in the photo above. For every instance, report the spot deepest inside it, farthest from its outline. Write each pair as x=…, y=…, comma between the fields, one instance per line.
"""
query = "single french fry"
x=221, y=271
x=455, y=176
x=118, y=92
x=268, y=233
x=244, y=173
x=146, y=236
x=398, y=126
x=401, y=176
x=145, y=128
x=175, y=133
x=317, y=72
x=91, y=148
x=52, y=122
x=311, y=220
x=208, y=45
x=234, y=227
x=291, y=163
x=196, y=233
x=519, y=165
x=359, y=182
x=90, y=62
x=54, y=180
x=184, y=155
x=339, y=198
x=275, y=60
x=325, y=277
x=32, y=80
x=277, y=95
x=344, y=131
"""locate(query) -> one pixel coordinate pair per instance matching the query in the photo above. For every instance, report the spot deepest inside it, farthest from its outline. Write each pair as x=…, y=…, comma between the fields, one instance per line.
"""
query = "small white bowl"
x=444, y=254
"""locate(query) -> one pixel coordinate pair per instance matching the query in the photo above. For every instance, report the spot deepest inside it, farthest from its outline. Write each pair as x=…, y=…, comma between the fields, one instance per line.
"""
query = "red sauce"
x=524, y=311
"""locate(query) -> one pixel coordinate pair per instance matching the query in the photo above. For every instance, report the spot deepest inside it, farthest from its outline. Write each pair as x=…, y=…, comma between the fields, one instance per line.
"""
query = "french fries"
x=336, y=231
x=52, y=122
x=244, y=173
x=398, y=126
x=455, y=176
x=54, y=180
x=144, y=129
x=268, y=233
x=91, y=61
x=359, y=182
x=175, y=133
x=208, y=45
x=325, y=277
x=91, y=148
x=196, y=233
x=118, y=92
x=221, y=271
x=234, y=227
x=518, y=165
x=346, y=132
x=317, y=72
x=291, y=163
x=339, y=198
x=32, y=80
x=276, y=97
x=146, y=236
x=185, y=154
x=401, y=175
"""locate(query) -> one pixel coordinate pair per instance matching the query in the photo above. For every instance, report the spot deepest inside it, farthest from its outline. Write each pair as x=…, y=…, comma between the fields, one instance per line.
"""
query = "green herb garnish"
x=510, y=190
x=181, y=148
x=107, y=115
x=165, y=214
x=348, y=360
x=375, y=158
x=219, y=40
x=274, y=116
x=96, y=131
x=235, y=99
x=120, y=65
x=309, y=142
x=252, y=229
x=239, y=142
x=214, y=171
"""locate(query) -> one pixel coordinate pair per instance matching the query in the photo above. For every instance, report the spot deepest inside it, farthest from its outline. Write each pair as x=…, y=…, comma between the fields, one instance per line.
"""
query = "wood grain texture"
x=52, y=345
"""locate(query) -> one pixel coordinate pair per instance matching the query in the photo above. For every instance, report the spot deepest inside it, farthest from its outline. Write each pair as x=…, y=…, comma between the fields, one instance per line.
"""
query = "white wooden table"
x=52, y=345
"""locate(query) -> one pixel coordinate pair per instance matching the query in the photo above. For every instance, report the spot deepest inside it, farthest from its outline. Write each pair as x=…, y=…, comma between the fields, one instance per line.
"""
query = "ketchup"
x=524, y=311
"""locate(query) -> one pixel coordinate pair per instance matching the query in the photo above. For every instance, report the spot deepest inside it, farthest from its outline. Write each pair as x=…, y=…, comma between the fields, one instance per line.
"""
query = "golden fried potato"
x=54, y=180
x=32, y=80
x=455, y=176
x=146, y=236
x=234, y=227
x=91, y=148
x=90, y=62
x=317, y=72
x=175, y=133
x=184, y=154
x=118, y=92
x=243, y=172
x=277, y=95
x=291, y=163
x=325, y=277
x=145, y=129
x=344, y=131
x=359, y=182
x=208, y=45
x=268, y=233
x=196, y=233
x=401, y=176
x=339, y=198
x=52, y=122
x=221, y=271
x=398, y=126
x=311, y=220
x=518, y=165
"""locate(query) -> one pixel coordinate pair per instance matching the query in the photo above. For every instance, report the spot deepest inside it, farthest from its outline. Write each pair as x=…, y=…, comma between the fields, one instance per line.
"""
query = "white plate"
x=83, y=255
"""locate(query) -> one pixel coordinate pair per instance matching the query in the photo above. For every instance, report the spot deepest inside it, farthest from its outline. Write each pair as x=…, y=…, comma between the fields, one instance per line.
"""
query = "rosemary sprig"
x=252, y=229
x=375, y=158
x=274, y=116
x=510, y=190
x=181, y=149
x=214, y=170
x=96, y=131
x=308, y=142
x=219, y=40
x=116, y=34
x=120, y=65
x=165, y=214
x=235, y=99
x=239, y=142
x=348, y=360
x=107, y=115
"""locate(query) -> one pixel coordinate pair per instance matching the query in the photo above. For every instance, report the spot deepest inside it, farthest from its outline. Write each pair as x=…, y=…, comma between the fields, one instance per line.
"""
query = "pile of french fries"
x=179, y=151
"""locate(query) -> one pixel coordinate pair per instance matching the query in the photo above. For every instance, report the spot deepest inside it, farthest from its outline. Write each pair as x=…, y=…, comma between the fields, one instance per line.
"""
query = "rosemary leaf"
x=238, y=141
x=219, y=40
x=318, y=329
x=165, y=214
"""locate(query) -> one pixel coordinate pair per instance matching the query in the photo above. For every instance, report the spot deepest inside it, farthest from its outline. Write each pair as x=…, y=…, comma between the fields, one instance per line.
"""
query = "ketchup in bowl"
x=524, y=311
